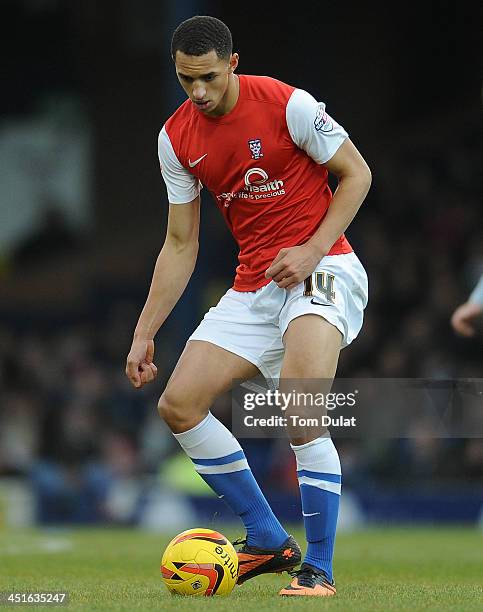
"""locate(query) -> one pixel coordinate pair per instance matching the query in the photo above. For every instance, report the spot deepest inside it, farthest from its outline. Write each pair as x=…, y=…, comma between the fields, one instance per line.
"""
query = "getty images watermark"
x=359, y=408
x=291, y=400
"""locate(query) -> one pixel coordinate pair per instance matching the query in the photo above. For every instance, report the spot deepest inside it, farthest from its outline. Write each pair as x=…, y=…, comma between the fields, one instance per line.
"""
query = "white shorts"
x=251, y=324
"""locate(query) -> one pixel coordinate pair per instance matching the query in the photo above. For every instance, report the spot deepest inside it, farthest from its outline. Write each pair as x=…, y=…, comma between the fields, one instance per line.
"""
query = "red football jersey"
x=262, y=162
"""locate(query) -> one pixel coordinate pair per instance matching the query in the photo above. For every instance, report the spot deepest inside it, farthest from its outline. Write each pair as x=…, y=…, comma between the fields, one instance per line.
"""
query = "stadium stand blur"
x=77, y=443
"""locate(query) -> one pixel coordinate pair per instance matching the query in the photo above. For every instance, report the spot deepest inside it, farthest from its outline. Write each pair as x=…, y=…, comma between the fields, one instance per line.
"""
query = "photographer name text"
x=297, y=421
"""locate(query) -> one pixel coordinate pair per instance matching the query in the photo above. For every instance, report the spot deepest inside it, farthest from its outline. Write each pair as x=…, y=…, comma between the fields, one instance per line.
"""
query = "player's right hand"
x=464, y=317
x=140, y=368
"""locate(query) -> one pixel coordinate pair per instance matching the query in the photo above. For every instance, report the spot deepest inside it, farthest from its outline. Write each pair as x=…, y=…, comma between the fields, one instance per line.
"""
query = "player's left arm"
x=354, y=177
x=328, y=144
x=293, y=265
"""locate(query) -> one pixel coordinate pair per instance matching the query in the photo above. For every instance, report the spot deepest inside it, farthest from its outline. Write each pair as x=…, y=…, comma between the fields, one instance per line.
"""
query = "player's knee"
x=176, y=411
x=183, y=406
x=169, y=407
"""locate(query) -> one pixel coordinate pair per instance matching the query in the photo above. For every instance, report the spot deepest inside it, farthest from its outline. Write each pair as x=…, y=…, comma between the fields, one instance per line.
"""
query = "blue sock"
x=319, y=475
x=221, y=462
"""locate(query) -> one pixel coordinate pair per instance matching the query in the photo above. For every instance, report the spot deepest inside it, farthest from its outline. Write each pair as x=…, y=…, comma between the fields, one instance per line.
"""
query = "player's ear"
x=233, y=62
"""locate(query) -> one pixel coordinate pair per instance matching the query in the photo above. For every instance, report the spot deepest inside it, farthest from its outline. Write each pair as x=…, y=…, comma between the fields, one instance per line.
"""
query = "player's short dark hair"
x=202, y=34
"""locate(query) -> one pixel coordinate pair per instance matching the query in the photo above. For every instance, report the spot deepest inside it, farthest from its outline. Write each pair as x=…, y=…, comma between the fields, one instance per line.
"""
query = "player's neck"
x=231, y=96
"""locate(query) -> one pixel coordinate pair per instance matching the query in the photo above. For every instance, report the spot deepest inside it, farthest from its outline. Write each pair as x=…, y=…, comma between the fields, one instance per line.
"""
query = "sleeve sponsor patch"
x=322, y=121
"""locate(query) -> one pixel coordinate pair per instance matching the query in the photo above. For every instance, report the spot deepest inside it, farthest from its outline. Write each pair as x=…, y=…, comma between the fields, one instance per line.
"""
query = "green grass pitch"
x=378, y=569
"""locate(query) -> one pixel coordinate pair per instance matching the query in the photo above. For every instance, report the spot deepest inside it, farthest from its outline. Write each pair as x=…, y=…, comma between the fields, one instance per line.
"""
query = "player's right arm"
x=173, y=269
x=175, y=263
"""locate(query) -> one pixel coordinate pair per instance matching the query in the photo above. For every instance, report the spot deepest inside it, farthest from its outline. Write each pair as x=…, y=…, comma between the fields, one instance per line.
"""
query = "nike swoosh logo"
x=310, y=513
x=197, y=161
x=319, y=304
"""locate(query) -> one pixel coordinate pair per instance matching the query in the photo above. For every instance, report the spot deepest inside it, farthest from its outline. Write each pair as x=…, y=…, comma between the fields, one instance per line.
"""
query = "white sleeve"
x=311, y=128
x=477, y=294
x=181, y=185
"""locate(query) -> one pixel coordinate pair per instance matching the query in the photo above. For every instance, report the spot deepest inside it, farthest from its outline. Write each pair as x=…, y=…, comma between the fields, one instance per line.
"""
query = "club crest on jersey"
x=322, y=121
x=256, y=148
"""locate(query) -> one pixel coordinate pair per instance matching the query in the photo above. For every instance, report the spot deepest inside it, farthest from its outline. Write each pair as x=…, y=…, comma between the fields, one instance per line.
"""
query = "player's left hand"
x=464, y=318
x=292, y=266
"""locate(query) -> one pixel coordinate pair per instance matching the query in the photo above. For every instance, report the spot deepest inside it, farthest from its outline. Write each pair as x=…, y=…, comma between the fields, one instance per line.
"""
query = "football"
x=199, y=562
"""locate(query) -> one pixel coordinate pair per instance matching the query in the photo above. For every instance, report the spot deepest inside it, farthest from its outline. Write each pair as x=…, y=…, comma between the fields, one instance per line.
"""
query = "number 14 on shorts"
x=320, y=284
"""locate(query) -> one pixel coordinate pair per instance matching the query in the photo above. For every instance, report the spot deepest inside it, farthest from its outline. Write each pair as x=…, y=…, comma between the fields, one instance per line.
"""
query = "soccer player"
x=263, y=149
x=465, y=315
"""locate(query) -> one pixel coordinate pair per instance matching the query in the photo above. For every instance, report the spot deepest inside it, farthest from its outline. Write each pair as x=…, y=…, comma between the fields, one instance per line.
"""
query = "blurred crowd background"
x=83, y=215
